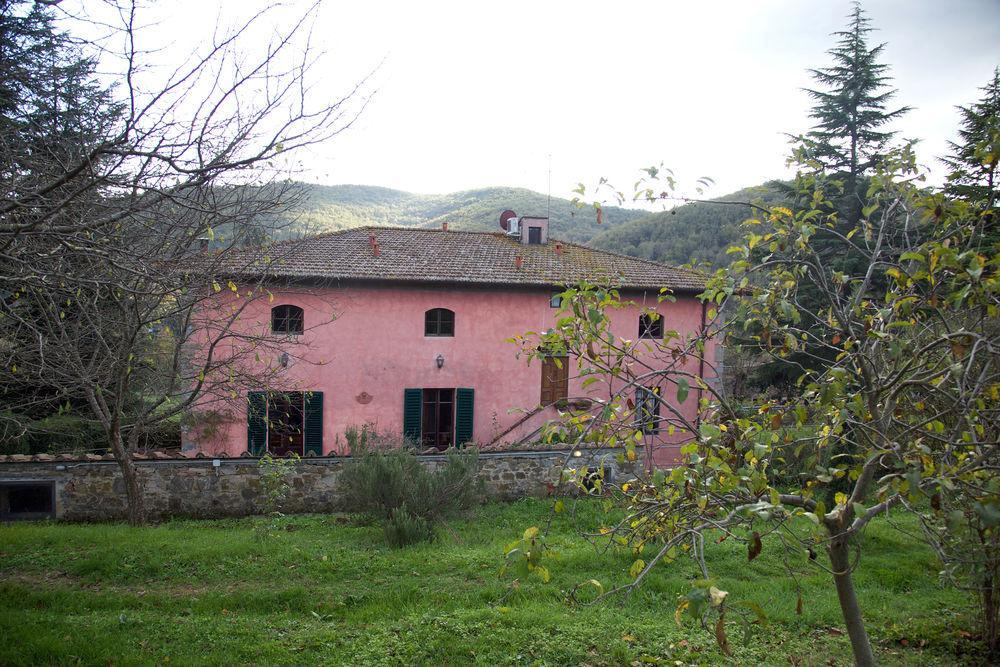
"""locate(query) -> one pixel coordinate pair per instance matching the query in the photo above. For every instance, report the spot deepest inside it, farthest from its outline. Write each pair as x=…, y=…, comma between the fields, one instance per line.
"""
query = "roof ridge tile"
x=424, y=255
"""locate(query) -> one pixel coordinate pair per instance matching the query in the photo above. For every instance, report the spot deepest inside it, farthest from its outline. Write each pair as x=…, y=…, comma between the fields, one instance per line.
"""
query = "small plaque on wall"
x=364, y=398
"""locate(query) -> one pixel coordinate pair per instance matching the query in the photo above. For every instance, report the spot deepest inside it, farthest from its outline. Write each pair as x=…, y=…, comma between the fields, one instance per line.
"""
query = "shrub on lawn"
x=408, y=496
x=402, y=528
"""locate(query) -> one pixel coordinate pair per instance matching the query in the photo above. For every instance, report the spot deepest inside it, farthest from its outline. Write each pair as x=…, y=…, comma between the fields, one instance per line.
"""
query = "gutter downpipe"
x=701, y=363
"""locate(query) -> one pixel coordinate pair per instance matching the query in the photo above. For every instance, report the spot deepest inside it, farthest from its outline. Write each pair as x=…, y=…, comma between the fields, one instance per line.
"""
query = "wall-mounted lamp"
x=440, y=361
x=283, y=359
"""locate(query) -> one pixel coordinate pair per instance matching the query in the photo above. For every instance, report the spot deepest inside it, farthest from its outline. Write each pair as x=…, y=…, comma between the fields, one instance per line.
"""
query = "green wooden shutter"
x=256, y=422
x=464, y=412
x=312, y=404
x=413, y=400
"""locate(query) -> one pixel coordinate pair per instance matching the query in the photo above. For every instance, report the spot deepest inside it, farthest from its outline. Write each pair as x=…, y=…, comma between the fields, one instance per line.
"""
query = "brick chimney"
x=374, y=244
x=518, y=261
x=534, y=230
x=444, y=226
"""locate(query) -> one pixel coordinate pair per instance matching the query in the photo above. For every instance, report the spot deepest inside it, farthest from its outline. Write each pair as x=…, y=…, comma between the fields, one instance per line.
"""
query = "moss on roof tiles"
x=425, y=255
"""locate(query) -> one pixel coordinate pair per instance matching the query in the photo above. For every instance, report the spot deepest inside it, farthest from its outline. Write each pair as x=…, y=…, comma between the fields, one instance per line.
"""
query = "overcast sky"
x=471, y=94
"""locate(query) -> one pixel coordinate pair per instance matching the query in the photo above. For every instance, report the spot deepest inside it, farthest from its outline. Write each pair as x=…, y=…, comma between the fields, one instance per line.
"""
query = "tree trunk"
x=840, y=561
x=991, y=631
x=133, y=491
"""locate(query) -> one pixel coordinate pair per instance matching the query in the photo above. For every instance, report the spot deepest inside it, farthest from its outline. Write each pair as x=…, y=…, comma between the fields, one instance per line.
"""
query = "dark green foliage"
x=327, y=208
x=697, y=232
x=53, y=110
x=54, y=434
x=974, y=158
x=850, y=138
x=392, y=483
x=74, y=433
x=53, y=113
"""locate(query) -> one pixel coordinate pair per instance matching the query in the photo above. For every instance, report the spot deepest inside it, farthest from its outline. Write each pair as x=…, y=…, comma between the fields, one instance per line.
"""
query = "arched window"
x=651, y=326
x=439, y=322
x=287, y=320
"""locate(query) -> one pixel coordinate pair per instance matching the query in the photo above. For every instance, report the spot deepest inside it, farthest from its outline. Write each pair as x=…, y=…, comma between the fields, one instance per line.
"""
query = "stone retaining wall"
x=91, y=490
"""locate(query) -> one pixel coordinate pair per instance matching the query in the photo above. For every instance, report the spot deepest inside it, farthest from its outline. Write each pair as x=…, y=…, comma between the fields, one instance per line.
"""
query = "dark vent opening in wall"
x=27, y=501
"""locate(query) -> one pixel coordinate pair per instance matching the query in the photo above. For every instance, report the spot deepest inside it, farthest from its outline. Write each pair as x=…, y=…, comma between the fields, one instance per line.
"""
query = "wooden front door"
x=555, y=380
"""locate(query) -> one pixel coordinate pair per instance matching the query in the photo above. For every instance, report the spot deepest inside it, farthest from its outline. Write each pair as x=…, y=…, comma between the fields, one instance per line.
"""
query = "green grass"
x=325, y=590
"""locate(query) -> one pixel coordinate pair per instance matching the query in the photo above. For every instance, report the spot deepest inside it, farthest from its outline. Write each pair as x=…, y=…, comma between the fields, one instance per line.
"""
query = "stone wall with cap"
x=90, y=488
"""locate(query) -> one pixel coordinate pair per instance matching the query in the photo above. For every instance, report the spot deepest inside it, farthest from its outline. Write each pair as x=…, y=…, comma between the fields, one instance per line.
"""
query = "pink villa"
x=407, y=329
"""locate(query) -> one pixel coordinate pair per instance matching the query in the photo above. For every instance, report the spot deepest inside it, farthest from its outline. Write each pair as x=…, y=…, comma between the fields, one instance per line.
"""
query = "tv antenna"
x=548, y=197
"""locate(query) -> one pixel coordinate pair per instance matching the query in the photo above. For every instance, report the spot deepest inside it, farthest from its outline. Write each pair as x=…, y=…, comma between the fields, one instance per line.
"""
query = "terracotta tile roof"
x=487, y=258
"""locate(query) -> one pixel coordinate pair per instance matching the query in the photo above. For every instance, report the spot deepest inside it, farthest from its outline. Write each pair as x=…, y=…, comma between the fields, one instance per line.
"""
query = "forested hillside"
x=326, y=208
x=696, y=232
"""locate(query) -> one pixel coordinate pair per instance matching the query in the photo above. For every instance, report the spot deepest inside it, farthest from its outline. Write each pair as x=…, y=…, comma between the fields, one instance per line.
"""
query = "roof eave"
x=328, y=280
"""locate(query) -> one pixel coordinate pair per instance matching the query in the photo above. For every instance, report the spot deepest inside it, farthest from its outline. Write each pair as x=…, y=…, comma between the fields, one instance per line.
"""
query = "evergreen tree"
x=851, y=111
x=53, y=109
x=845, y=147
x=975, y=157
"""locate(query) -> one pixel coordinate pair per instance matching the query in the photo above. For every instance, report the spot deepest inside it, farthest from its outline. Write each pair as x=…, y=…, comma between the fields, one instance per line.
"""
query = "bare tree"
x=116, y=236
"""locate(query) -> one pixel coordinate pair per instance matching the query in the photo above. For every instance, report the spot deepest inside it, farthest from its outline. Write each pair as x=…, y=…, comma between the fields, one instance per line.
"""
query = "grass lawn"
x=326, y=590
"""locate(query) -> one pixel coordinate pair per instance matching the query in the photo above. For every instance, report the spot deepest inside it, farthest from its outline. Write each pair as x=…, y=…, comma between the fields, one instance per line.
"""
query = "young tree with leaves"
x=910, y=398
x=961, y=524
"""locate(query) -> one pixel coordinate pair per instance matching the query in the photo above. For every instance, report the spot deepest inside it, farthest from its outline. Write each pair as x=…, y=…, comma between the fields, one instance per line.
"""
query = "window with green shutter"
x=412, y=407
x=438, y=418
x=285, y=412
x=464, y=414
x=437, y=421
x=313, y=423
x=256, y=422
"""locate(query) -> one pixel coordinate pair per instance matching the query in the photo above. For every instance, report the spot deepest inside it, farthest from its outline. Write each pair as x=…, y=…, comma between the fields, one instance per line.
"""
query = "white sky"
x=472, y=94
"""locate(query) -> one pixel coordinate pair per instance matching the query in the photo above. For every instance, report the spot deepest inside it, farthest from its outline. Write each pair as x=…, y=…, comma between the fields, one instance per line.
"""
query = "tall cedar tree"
x=851, y=113
x=846, y=146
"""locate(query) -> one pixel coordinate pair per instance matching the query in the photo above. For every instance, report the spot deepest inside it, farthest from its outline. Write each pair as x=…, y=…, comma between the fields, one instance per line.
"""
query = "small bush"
x=402, y=528
x=274, y=477
x=368, y=438
x=389, y=484
x=357, y=438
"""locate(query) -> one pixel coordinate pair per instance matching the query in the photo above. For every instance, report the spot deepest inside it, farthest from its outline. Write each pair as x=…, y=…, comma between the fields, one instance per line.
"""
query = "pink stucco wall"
x=370, y=340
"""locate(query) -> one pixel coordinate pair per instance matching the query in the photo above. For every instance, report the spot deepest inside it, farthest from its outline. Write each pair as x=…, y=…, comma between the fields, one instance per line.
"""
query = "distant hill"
x=696, y=232
x=331, y=207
